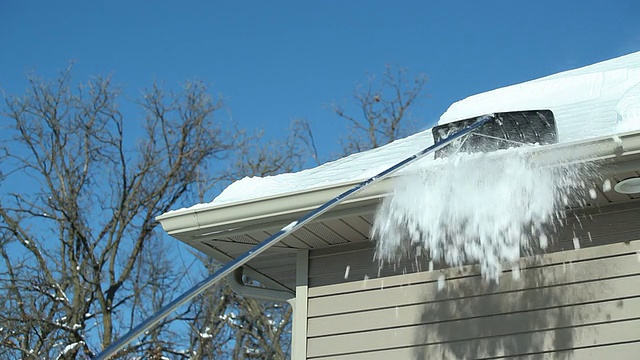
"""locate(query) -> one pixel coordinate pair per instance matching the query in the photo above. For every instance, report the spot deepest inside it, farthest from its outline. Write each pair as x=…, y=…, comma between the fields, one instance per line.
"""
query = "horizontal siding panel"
x=624, y=351
x=576, y=304
x=361, y=265
x=535, y=261
x=551, y=280
x=600, y=226
x=508, y=345
x=488, y=326
x=623, y=292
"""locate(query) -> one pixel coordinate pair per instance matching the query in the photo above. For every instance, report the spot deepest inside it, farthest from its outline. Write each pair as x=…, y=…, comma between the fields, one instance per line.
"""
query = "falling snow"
x=441, y=282
x=576, y=243
x=484, y=208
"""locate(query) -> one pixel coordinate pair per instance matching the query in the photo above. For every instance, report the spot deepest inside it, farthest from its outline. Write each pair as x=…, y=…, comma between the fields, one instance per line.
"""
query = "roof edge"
x=226, y=217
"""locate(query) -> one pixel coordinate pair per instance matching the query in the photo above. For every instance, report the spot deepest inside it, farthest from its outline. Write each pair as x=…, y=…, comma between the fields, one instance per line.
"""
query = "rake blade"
x=505, y=130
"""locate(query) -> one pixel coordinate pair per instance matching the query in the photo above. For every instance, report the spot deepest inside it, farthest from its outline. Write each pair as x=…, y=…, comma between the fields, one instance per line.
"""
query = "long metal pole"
x=228, y=268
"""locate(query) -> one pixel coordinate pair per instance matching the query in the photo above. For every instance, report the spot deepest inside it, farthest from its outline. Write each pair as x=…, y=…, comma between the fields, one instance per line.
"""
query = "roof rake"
x=504, y=130
x=515, y=127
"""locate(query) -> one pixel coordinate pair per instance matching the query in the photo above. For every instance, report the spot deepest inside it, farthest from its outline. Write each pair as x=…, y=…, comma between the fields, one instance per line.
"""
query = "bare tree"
x=83, y=259
x=257, y=156
x=227, y=325
x=257, y=329
x=261, y=329
x=77, y=229
x=384, y=108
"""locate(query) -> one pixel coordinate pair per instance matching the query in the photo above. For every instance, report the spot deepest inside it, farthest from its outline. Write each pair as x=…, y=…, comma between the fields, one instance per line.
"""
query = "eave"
x=227, y=230
x=237, y=218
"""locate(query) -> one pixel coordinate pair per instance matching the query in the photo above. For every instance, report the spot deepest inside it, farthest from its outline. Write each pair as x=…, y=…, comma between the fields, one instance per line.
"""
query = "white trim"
x=300, y=310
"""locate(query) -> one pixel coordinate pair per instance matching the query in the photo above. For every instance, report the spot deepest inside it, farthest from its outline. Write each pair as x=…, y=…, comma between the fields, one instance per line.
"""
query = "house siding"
x=572, y=304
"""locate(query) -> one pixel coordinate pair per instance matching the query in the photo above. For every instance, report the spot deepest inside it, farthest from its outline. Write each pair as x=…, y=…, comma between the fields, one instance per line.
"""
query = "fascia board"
x=226, y=217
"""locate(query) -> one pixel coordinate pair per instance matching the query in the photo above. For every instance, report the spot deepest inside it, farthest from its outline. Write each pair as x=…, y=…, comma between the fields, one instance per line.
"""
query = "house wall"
x=571, y=304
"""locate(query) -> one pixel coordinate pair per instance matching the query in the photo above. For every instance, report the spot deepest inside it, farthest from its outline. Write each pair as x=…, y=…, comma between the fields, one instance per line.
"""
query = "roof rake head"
x=504, y=130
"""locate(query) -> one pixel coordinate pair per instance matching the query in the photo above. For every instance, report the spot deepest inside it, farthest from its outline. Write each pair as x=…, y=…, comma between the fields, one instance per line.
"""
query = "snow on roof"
x=349, y=169
x=596, y=100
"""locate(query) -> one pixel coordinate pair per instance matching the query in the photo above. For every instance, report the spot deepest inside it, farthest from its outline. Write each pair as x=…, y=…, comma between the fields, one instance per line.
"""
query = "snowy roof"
x=592, y=101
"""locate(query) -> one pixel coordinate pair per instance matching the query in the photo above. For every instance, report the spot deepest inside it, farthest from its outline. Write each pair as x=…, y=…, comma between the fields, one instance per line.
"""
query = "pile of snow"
x=592, y=101
x=356, y=167
x=628, y=110
x=481, y=208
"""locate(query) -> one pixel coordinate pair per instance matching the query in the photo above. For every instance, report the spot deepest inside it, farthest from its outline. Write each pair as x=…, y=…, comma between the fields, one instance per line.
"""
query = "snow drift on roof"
x=596, y=100
x=346, y=170
x=584, y=101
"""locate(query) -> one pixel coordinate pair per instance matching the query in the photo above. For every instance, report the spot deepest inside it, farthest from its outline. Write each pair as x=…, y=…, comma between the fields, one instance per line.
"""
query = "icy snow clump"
x=477, y=208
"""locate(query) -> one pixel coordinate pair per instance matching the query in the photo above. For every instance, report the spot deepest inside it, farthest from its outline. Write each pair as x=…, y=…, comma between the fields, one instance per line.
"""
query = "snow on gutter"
x=230, y=218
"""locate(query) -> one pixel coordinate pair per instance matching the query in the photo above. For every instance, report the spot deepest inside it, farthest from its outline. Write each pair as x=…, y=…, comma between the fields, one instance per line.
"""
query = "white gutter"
x=226, y=217
x=231, y=218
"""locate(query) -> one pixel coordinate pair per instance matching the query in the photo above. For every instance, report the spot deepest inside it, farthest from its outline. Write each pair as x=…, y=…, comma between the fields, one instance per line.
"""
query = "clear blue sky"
x=277, y=60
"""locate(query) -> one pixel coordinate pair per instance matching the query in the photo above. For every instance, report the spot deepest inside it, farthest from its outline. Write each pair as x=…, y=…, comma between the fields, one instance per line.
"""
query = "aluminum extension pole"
x=228, y=268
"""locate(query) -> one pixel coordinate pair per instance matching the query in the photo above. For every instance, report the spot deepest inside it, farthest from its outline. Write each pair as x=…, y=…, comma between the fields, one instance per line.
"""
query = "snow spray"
x=488, y=209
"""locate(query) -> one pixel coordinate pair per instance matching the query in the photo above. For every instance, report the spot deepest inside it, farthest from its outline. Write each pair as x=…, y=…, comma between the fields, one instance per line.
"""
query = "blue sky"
x=275, y=61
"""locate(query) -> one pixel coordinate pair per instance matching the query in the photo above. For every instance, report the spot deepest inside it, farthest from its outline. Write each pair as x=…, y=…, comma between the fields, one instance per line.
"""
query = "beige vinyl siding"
x=563, y=305
x=592, y=227
x=571, y=304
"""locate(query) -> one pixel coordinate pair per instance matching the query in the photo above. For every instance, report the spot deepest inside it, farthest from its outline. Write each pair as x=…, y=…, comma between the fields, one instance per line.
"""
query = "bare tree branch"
x=80, y=242
x=385, y=106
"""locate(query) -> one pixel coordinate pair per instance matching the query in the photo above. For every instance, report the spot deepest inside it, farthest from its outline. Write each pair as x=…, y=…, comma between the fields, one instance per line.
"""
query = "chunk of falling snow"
x=606, y=187
x=617, y=140
x=576, y=243
x=544, y=242
x=440, y=282
x=430, y=265
x=290, y=226
x=364, y=281
x=515, y=272
x=346, y=272
x=589, y=235
x=593, y=194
